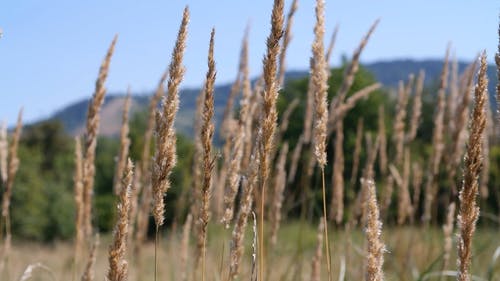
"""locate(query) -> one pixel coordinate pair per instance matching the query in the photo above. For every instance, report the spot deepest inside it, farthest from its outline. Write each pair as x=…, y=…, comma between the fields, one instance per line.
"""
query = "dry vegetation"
x=348, y=242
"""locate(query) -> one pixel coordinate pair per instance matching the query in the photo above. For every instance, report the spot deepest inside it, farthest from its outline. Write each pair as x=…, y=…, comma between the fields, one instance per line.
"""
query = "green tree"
x=367, y=109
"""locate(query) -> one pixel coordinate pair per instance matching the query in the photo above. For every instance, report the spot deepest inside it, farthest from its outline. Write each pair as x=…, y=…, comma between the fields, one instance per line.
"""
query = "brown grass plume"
x=469, y=211
x=124, y=146
x=376, y=248
x=268, y=119
x=165, y=156
x=90, y=139
x=207, y=132
x=118, y=266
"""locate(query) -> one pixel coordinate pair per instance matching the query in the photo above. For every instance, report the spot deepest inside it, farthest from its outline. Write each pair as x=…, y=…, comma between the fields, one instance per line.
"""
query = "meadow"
x=331, y=177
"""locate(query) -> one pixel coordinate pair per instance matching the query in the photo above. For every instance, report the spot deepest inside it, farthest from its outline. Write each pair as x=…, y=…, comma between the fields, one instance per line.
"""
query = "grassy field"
x=236, y=207
x=412, y=253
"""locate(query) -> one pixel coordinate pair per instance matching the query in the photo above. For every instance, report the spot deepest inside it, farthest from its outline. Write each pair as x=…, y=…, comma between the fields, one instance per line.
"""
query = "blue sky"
x=51, y=50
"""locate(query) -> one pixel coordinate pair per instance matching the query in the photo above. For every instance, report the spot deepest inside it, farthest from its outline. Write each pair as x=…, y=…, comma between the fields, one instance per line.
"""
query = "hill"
x=389, y=73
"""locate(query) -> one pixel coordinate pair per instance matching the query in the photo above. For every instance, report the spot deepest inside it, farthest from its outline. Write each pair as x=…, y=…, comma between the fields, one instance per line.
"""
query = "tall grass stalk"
x=134, y=203
x=319, y=79
x=348, y=78
x=12, y=167
x=416, y=184
x=118, y=266
x=184, y=254
x=278, y=197
x=166, y=156
x=416, y=111
x=79, y=227
x=287, y=37
x=376, y=248
x=268, y=117
x=316, y=260
x=89, y=272
x=437, y=145
x=469, y=211
x=337, y=206
x=145, y=167
x=237, y=247
x=381, y=133
x=329, y=49
x=122, y=157
x=207, y=132
x=90, y=140
x=497, y=62
x=399, y=122
x=3, y=153
x=459, y=133
x=448, y=231
x=357, y=152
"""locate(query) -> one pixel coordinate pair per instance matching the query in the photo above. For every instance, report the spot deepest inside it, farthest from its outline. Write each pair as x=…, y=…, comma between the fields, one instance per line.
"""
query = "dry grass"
x=118, y=266
x=289, y=263
x=121, y=161
x=497, y=61
x=319, y=86
x=469, y=211
x=249, y=167
x=237, y=241
x=399, y=122
x=349, y=74
x=80, y=207
x=12, y=167
x=437, y=145
x=3, y=152
x=278, y=196
x=145, y=169
x=417, y=108
x=165, y=156
x=448, y=231
x=207, y=132
x=376, y=248
x=268, y=119
x=287, y=37
x=381, y=133
x=461, y=117
x=316, y=259
x=90, y=142
x=357, y=152
x=89, y=272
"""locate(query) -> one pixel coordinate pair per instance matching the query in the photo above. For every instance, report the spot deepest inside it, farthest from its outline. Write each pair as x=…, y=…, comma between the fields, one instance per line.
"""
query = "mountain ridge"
x=389, y=73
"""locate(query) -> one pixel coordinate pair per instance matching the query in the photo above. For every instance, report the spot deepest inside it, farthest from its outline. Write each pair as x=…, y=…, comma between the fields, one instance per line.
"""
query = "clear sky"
x=50, y=51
